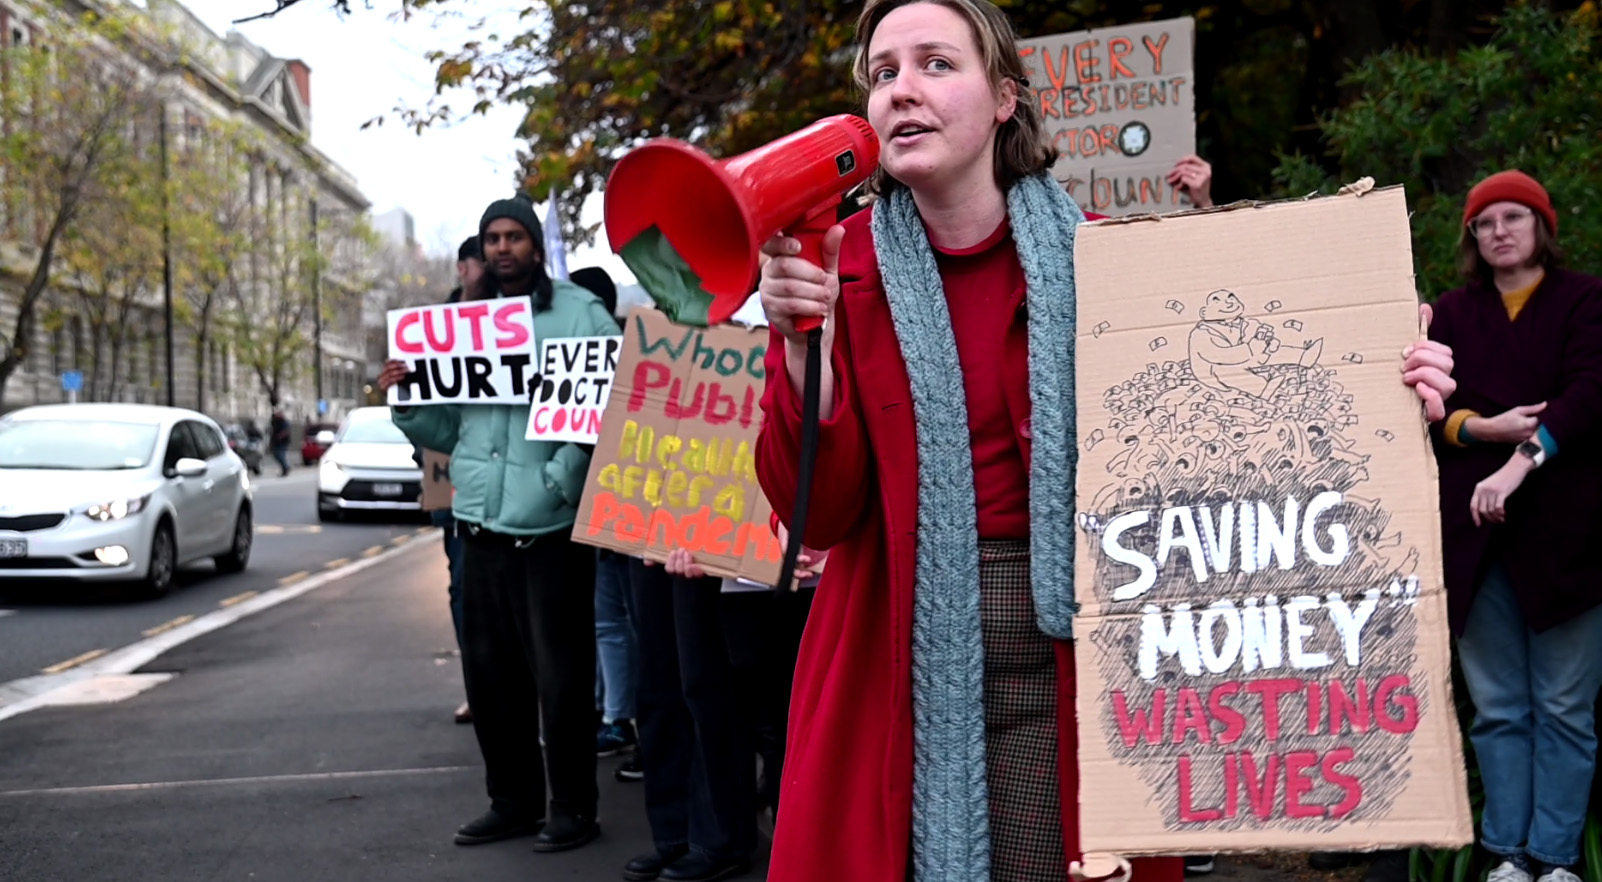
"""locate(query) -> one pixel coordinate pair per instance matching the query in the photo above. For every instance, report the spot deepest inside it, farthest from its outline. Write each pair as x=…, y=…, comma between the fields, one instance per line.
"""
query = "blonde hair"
x=1022, y=148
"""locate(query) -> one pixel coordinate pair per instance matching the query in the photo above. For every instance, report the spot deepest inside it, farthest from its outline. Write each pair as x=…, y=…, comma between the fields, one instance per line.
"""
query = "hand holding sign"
x=394, y=371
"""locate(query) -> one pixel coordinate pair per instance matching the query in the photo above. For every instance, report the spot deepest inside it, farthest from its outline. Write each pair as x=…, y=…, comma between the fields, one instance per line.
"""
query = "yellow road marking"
x=375, y=551
x=168, y=626
x=58, y=667
x=282, y=529
x=293, y=577
x=237, y=598
x=400, y=540
x=336, y=564
x=422, y=530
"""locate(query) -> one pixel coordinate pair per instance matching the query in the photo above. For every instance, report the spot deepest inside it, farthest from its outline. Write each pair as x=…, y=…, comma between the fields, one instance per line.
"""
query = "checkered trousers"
x=1026, y=841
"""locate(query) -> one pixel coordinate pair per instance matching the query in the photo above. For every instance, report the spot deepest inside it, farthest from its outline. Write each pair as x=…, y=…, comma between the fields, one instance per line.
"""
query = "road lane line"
x=293, y=577
x=374, y=551
x=224, y=782
x=237, y=599
x=25, y=694
x=400, y=540
x=168, y=626
x=288, y=529
x=423, y=531
x=7, y=612
x=73, y=662
x=336, y=564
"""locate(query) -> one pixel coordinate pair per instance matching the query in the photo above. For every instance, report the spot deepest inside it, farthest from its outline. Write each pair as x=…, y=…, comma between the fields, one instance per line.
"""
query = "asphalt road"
x=47, y=626
x=310, y=742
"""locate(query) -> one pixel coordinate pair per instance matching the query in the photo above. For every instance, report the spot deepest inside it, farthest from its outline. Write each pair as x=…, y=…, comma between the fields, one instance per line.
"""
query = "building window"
x=58, y=341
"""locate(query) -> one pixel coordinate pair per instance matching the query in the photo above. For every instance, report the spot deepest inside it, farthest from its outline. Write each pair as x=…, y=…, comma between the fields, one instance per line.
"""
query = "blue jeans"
x=453, y=561
x=615, y=640
x=1534, y=729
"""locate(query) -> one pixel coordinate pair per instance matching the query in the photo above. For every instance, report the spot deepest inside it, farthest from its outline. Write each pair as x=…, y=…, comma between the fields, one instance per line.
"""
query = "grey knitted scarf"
x=950, y=818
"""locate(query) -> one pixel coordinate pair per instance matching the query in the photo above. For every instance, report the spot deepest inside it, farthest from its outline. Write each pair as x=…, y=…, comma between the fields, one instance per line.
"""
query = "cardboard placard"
x=575, y=383
x=675, y=466
x=478, y=352
x=437, y=490
x=1120, y=109
x=1263, y=654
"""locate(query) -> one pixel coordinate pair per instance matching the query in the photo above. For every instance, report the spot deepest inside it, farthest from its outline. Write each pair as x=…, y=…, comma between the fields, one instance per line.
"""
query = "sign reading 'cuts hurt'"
x=675, y=463
x=479, y=352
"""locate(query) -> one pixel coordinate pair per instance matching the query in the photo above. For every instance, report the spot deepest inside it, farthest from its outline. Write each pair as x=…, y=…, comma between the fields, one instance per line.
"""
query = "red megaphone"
x=716, y=214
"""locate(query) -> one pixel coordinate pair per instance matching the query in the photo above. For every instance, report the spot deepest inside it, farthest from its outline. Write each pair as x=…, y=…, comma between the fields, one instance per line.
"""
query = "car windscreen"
x=373, y=431
x=83, y=445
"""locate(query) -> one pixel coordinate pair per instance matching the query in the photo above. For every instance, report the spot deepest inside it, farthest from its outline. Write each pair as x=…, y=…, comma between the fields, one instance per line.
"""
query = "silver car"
x=119, y=492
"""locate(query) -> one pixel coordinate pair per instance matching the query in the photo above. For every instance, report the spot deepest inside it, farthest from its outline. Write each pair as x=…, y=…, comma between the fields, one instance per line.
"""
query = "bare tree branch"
x=343, y=6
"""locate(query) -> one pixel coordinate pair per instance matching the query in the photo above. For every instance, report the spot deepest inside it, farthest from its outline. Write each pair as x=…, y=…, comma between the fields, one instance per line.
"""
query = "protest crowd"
x=909, y=701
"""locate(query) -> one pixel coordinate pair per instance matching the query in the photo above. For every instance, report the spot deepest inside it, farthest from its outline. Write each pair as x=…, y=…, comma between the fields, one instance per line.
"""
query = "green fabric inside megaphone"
x=664, y=275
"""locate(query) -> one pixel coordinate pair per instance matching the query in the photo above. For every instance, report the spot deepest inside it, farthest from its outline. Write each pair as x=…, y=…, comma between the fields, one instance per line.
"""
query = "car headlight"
x=116, y=509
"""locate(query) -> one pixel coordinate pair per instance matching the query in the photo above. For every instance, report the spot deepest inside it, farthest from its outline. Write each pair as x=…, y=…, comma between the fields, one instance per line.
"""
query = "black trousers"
x=528, y=650
x=763, y=631
x=698, y=752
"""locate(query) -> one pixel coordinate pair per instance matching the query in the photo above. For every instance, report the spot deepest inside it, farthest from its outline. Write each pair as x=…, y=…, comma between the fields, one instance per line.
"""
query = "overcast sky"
x=363, y=66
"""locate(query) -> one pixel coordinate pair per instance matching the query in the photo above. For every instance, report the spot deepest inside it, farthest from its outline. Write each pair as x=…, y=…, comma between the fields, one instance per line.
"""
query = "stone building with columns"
x=292, y=190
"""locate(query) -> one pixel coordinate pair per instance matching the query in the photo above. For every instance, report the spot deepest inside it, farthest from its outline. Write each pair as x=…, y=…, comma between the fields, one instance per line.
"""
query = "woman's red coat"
x=847, y=793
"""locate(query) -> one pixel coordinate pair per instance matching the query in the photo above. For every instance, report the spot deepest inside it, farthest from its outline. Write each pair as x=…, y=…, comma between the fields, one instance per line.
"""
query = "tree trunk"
x=97, y=345
x=23, y=328
x=201, y=338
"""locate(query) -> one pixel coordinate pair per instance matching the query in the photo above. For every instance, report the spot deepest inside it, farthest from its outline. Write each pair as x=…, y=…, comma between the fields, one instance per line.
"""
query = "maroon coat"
x=1552, y=352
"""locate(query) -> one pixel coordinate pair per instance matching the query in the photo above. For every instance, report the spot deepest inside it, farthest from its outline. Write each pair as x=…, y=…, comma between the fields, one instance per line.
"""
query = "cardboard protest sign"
x=1263, y=654
x=575, y=383
x=675, y=466
x=478, y=352
x=437, y=490
x=1119, y=107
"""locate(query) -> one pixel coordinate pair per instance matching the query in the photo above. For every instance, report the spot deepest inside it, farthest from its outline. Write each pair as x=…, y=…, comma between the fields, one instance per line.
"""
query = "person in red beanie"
x=1521, y=516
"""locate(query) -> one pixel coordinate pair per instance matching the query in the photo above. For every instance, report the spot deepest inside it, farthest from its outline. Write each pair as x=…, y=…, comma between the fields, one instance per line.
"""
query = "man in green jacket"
x=528, y=617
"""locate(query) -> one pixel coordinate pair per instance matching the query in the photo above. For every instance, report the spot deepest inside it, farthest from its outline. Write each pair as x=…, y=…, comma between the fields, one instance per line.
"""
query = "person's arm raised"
x=793, y=288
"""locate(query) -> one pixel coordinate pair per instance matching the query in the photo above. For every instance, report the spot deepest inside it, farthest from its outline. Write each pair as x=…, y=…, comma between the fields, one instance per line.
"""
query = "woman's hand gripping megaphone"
x=796, y=288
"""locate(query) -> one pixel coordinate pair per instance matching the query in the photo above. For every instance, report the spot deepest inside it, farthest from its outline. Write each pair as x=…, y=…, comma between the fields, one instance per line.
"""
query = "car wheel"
x=238, y=557
x=163, y=562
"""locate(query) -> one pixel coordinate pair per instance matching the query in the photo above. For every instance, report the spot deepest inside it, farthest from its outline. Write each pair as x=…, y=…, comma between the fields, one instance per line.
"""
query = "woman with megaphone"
x=932, y=732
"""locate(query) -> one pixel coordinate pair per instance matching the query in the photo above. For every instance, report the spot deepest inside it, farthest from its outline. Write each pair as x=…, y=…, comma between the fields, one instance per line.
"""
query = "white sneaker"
x=1507, y=871
x=1557, y=874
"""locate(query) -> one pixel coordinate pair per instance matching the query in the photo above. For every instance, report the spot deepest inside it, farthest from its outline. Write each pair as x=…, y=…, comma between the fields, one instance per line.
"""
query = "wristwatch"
x=1534, y=451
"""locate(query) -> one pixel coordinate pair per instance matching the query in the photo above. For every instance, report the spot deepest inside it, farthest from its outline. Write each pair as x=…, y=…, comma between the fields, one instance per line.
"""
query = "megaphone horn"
x=717, y=213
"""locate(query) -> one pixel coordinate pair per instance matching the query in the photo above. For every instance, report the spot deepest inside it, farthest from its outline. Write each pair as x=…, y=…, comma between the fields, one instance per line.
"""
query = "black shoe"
x=649, y=866
x=492, y=826
x=700, y=868
x=1198, y=864
x=1325, y=861
x=630, y=770
x=566, y=831
x=1388, y=866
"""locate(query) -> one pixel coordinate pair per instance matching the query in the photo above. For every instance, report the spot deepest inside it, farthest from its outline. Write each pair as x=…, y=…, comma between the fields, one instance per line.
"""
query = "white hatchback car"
x=369, y=467
x=113, y=492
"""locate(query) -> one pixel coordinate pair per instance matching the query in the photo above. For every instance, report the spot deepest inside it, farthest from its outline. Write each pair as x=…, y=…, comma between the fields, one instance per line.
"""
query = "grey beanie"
x=518, y=208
